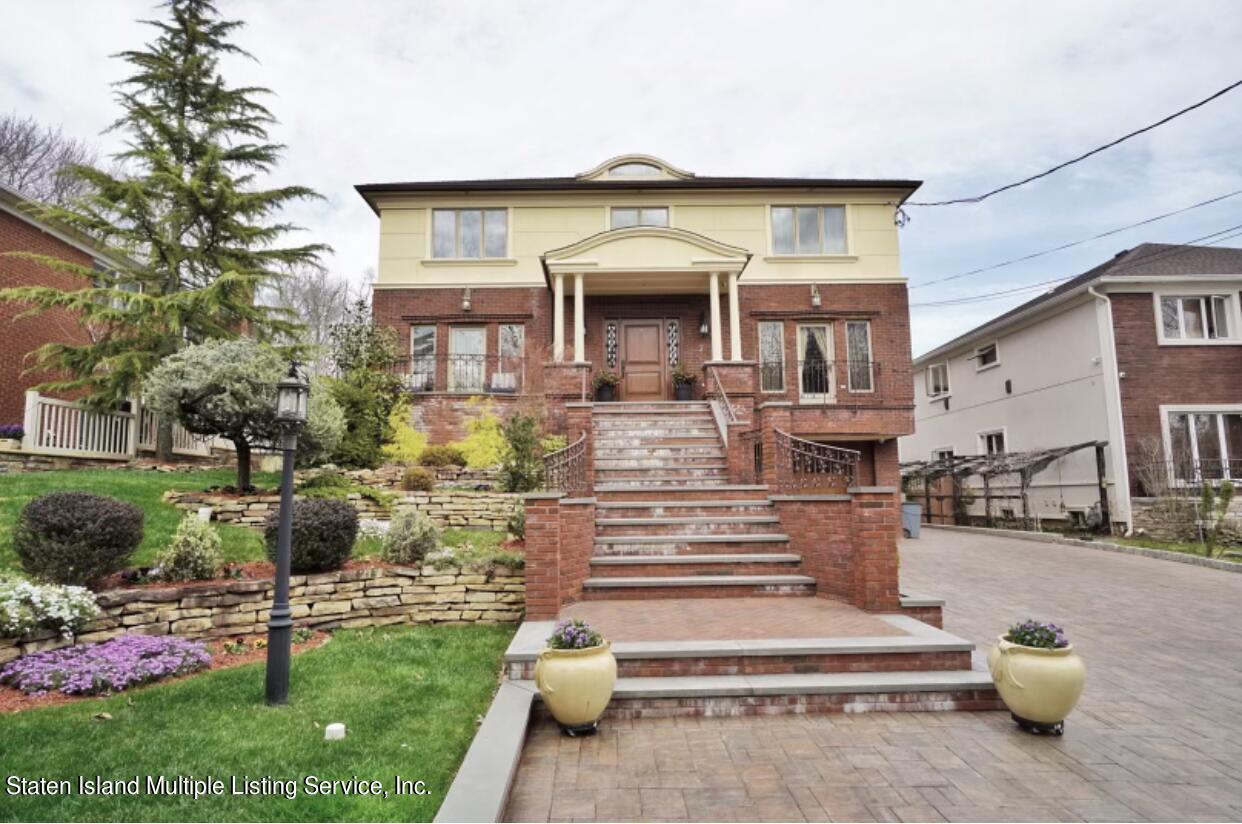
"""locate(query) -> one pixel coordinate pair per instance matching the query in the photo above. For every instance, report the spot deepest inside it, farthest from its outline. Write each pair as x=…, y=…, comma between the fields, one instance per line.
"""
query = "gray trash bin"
x=911, y=518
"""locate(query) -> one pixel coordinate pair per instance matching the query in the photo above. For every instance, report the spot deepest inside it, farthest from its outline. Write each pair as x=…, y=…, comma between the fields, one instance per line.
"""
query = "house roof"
x=1144, y=260
x=24, y=208
x=579, y=184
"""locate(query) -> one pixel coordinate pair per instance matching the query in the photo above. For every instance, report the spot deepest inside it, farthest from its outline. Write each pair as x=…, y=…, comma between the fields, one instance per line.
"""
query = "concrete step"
x=624, y=423
x=649, y=546
x=660, y=566
x=919, y=648
x=659, y=492
x=608, y=482
x=696, y=586
x=711, y=441
x=660, y=462
x=742, y=526
x=651, y=407
x=660, y=508
x=674, y=452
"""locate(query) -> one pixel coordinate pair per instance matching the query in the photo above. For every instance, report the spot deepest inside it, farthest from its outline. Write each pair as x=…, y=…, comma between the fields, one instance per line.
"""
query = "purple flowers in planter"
x=14, y=431
x=1037, y=634
x=111, y=666
x=575, y=634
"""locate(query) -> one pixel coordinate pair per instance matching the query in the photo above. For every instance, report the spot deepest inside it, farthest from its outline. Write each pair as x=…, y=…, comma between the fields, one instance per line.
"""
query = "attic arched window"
x=634, y=170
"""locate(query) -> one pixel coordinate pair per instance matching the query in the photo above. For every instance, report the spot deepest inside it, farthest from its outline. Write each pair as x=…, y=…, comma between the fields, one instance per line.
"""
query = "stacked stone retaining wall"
x=364, y=597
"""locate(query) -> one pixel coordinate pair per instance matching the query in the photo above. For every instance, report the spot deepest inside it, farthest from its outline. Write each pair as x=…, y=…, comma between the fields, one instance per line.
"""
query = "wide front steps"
x=922, y=668
x=657, y=445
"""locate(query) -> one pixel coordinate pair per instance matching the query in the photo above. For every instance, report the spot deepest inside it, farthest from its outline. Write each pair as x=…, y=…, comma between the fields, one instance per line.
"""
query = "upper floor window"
x=808, y=230
x=469, y=233
x=986, y=356
x=942, y=454
x=992, y=443
x=634, y=170
x=937, y=380
x=1196, y=317
x=623, y=217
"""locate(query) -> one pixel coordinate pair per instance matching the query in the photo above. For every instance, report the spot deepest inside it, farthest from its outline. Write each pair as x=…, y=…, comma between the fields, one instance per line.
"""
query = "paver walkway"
x=1157, y=736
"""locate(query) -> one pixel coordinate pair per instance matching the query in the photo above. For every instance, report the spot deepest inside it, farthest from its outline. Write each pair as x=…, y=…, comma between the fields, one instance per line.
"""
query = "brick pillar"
x=876, y=517
x=819, y=529
x=578, y=416
x=772, y=416
x=738, y=454
x=543, y=577
x=577, y=544
x=564, y=383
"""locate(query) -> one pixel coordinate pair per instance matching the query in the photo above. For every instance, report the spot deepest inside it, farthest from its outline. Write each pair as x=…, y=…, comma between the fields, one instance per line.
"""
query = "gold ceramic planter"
x=1040, y=686
x=576, y=685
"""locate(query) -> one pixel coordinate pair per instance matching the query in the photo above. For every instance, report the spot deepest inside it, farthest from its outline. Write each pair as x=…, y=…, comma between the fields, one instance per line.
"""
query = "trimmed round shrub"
x=418, y=479
x=409, y=539
x=194, y=553
x=445, y=455
x=324, y=532
x=76, y=538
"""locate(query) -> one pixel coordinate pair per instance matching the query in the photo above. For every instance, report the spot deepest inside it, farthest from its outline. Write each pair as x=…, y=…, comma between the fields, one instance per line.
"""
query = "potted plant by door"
x=1038, y=675
x=575, y=675
x=683, y=383
x=605, y=385
x=11, y=436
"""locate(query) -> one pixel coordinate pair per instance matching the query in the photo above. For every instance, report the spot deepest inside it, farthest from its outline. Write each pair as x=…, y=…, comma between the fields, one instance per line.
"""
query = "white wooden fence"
x=66, y=428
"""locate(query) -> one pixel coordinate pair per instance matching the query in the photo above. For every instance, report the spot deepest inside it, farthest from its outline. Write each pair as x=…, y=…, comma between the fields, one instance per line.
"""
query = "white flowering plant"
x=25, y=607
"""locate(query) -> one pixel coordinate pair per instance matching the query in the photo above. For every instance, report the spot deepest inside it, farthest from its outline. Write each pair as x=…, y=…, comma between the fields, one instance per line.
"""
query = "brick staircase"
x=668, y=523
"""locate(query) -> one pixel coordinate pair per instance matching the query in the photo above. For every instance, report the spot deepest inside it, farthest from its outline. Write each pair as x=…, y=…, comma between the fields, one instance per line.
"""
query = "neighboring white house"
x=1088, y=361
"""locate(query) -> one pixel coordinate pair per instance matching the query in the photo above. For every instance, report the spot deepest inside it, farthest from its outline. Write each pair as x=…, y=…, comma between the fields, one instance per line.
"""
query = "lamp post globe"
x=292, y=399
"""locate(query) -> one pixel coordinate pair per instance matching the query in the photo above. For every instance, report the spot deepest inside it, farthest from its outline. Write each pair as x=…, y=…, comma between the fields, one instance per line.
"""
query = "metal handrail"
x=565, y=469
x=724, y=396
x=803, y=464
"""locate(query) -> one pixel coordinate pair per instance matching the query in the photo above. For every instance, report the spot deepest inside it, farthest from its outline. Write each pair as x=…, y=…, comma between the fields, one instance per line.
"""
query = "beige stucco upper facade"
x=543, y=217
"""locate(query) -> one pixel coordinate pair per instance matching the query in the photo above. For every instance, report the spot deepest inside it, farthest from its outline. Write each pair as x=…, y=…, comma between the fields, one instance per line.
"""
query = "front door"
x=643, y=368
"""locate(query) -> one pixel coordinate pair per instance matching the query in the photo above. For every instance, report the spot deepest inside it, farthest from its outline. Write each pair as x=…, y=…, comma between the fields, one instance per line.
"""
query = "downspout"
x=1112, y=405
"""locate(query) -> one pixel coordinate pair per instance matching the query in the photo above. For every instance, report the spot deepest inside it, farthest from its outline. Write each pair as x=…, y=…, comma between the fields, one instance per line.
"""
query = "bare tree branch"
x=32, y=156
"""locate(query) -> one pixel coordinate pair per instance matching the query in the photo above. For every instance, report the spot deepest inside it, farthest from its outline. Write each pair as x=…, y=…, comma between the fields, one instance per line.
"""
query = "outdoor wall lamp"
x=465, y=300
x=704, y=329
x=815, y=299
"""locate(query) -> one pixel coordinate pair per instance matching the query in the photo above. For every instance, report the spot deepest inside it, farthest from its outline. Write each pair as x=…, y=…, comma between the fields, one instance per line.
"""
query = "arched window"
x=634, y=170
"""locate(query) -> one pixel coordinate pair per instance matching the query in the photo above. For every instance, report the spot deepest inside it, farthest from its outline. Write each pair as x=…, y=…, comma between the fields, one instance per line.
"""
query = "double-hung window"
x=625, y=216
x=1205, y=446
x=992, y=443
x=772, y=356
x=808, y=230
x=937, y=380
x=986, y=357
x=1196, y=317
x=469, y=233
x=858, y=349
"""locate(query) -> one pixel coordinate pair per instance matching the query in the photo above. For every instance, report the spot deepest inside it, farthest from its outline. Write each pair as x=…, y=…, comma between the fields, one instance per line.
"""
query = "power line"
x=1064, y=246
x=1144, y=260
x=1081, y=157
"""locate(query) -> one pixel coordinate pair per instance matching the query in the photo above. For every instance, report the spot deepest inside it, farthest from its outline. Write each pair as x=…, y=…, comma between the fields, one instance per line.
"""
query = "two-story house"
x=790, y=287
x=1143, y=351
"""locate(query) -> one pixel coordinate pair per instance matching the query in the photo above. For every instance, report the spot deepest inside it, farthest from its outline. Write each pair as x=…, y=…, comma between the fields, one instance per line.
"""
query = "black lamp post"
x=293, y=394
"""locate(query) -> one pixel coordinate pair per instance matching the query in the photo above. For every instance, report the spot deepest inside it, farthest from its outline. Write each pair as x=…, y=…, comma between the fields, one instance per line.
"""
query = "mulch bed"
x=14, y=700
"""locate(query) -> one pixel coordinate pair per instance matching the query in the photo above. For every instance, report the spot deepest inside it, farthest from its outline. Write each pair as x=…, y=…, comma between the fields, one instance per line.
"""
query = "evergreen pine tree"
x=196, y=235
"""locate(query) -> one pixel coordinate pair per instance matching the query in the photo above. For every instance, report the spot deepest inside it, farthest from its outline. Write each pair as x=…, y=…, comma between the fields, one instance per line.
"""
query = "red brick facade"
x=1155, y=375
x=18, y=338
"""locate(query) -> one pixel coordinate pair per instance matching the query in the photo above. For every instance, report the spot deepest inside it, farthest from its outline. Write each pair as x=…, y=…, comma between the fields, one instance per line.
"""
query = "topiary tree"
x=228, y=389
x=194, y=553
x=324, y=532
x=75, y=537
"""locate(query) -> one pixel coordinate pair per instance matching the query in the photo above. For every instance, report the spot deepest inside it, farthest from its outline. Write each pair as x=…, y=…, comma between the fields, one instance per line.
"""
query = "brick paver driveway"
x=1158, y=735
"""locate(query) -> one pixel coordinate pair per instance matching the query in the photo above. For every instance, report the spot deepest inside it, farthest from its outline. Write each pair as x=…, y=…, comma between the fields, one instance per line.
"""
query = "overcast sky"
x=964, y=96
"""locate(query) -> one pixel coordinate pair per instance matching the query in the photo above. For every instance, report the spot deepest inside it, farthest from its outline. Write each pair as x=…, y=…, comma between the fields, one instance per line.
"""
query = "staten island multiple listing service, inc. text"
x=196, y=787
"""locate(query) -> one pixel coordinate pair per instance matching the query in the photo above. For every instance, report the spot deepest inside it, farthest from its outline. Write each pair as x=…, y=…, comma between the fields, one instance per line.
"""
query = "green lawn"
x=409, y=697
x=1184, y=547
x=141, y=487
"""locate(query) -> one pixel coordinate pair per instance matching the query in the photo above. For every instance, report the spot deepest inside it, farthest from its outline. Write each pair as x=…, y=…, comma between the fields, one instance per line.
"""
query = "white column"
x=713, y=295
x=579, y=320
x=558, y=318
x=735, y=320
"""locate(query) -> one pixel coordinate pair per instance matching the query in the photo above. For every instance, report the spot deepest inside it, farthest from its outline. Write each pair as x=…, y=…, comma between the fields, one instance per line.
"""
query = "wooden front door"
x=644, y=371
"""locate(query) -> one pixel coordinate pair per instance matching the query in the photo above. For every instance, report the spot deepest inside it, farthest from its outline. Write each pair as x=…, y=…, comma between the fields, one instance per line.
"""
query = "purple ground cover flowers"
x=1037, y=634
x=111, y=666
x=12, y=430
x=575, y=634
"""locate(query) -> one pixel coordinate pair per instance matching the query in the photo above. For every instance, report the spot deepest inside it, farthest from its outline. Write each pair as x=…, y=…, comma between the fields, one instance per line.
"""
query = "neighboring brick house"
x=790, y=288
x=21, y=230
x=1143, y=351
